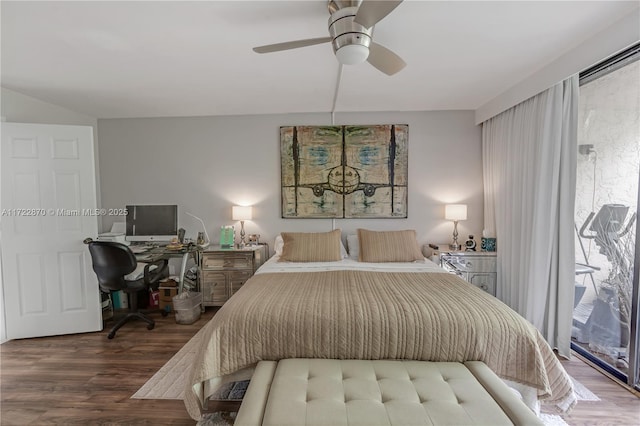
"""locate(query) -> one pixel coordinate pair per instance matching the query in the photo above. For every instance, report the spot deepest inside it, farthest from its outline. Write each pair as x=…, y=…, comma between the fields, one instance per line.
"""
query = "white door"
x=48, y=208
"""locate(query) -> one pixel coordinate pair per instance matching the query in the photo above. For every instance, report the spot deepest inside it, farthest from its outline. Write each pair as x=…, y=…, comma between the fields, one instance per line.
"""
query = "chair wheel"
x=164, y=313
x=111, y=335
x=150, y=326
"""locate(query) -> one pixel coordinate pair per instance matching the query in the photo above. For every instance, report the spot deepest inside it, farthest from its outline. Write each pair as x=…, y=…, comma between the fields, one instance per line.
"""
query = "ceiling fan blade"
x=371, y=12
x=384, y=59
x=291, y=45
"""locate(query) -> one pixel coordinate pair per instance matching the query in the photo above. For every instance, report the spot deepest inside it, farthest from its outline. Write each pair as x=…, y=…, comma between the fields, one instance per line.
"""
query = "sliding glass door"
x=605, y=315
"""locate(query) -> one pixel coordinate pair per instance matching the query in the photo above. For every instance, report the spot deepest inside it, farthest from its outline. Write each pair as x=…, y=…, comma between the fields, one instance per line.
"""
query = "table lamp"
x=241, y=213
x=455, y=212
x=201, y=244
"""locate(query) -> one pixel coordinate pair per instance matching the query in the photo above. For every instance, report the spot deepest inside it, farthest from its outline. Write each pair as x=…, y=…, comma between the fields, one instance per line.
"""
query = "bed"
x=354, y=309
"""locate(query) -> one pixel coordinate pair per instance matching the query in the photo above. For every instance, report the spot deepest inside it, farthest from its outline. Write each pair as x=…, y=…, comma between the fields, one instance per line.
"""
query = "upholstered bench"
x=358, y=392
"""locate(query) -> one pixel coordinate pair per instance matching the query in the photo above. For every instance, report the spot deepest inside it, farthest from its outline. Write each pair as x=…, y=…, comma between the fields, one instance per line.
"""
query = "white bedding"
x=273, y=265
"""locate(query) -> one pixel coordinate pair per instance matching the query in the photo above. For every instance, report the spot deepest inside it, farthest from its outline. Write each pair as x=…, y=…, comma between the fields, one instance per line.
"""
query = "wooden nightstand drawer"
x=227, y=261
x=213, y=276
x=237, y=280
x=214, y=287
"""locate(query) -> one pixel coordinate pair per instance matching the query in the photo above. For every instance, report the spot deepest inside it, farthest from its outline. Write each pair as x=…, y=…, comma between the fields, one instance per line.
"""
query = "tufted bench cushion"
x=363, y=392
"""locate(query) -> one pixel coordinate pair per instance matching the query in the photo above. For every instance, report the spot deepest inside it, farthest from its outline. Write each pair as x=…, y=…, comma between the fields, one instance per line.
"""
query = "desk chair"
x=113, y=264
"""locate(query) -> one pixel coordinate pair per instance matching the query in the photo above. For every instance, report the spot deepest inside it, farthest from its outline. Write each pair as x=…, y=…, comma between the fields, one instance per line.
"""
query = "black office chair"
x=112, y=262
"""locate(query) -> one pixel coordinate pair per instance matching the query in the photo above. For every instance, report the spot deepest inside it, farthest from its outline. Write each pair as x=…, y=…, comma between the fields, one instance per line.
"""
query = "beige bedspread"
x=372, y=315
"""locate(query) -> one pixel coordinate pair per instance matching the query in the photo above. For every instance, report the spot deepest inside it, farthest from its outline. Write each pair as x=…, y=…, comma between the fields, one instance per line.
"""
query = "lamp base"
x=242, y=242
x=454, y=245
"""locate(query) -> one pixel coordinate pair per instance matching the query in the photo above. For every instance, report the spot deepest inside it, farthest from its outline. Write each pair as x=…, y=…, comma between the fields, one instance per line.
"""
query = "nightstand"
x=476, y=267
x=225, y=270
x=434, y=251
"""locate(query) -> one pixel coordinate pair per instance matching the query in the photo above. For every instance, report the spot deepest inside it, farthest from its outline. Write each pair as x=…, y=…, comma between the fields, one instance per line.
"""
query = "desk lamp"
x=455, y=212
x=241, y=213
x=206, y=243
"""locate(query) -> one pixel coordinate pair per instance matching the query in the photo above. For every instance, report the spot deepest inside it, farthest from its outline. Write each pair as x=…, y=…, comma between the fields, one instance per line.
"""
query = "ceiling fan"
x=350, y=33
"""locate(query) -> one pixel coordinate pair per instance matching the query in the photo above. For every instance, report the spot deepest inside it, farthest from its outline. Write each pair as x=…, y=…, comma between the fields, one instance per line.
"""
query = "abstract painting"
x=344, y=171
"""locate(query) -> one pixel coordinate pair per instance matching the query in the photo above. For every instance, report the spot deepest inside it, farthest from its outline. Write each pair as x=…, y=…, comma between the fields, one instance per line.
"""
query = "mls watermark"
x=64, y=212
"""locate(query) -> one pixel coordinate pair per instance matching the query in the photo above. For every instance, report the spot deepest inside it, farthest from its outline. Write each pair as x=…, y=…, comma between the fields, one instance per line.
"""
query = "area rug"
x=169, y=383
x=582, y=393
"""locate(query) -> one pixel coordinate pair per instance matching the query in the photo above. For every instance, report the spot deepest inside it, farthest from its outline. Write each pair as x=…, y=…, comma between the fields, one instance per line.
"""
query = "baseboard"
x=605, y=373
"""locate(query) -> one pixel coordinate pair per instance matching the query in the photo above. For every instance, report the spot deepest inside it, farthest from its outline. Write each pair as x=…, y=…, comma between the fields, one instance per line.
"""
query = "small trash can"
x=187, y=307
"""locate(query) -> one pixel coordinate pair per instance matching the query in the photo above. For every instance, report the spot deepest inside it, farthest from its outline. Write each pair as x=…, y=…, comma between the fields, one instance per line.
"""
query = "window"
x=608, y=173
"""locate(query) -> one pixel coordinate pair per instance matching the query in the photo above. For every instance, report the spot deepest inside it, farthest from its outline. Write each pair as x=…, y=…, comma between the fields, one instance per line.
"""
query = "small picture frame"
x=488, y=244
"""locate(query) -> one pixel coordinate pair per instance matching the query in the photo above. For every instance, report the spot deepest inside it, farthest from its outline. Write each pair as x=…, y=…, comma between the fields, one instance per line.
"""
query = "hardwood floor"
x=618, y=405
x=87, y=379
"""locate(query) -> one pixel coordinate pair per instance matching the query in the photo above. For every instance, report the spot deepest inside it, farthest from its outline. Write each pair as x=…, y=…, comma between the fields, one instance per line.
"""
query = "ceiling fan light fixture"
x=352, y=54
x=351, y=27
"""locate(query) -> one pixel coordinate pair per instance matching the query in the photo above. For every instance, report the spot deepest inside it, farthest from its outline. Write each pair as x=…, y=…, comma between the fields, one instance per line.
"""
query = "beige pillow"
x=388, y=246
x=311, y=246
x=279, y=243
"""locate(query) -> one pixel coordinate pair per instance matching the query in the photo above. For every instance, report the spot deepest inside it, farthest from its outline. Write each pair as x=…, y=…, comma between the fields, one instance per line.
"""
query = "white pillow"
x=354, y=246
x=279, y=244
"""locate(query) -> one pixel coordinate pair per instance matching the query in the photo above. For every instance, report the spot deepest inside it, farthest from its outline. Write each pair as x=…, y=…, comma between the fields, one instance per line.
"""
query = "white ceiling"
x=158, y=59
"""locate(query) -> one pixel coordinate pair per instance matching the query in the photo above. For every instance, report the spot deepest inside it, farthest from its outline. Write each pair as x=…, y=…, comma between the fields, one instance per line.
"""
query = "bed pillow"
x=353, y=246
x=279, y=244
x=311, y=246
x=388, y=246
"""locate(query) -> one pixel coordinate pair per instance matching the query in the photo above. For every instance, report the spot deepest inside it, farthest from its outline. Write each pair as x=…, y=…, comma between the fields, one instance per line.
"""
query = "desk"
x=162, y=252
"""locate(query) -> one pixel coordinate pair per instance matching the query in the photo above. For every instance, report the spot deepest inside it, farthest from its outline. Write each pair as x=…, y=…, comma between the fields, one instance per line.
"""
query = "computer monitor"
x=151, y=223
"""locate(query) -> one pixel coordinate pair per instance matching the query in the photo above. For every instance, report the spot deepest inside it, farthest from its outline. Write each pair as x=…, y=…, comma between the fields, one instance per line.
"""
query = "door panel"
x=66, y=187
x=28, y=197
x=32, y=291
x=73, y=293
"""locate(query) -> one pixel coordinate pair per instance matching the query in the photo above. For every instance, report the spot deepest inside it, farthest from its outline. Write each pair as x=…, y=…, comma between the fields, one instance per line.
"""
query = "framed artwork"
x=344, y=171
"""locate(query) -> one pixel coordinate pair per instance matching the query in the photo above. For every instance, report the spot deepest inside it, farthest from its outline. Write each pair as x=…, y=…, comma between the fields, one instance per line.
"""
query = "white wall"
x=615, y=38
x=18, y=108
x=207, y=164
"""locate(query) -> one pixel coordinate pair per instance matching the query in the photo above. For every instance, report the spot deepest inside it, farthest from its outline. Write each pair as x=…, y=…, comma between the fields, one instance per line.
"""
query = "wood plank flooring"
x=86, y=379
x=618, y=405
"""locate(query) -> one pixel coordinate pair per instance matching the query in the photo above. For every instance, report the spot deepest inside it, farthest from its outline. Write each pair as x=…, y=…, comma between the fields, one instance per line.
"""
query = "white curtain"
x=529, y=165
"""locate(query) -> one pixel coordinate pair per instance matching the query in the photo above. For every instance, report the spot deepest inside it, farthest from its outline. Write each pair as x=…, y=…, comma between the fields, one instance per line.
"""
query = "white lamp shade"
x=241, y=213
x=455, y=212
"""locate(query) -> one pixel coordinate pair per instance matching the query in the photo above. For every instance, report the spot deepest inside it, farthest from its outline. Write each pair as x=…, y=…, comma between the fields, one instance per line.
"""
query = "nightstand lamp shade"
x=241, y=213
x=455, y=212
